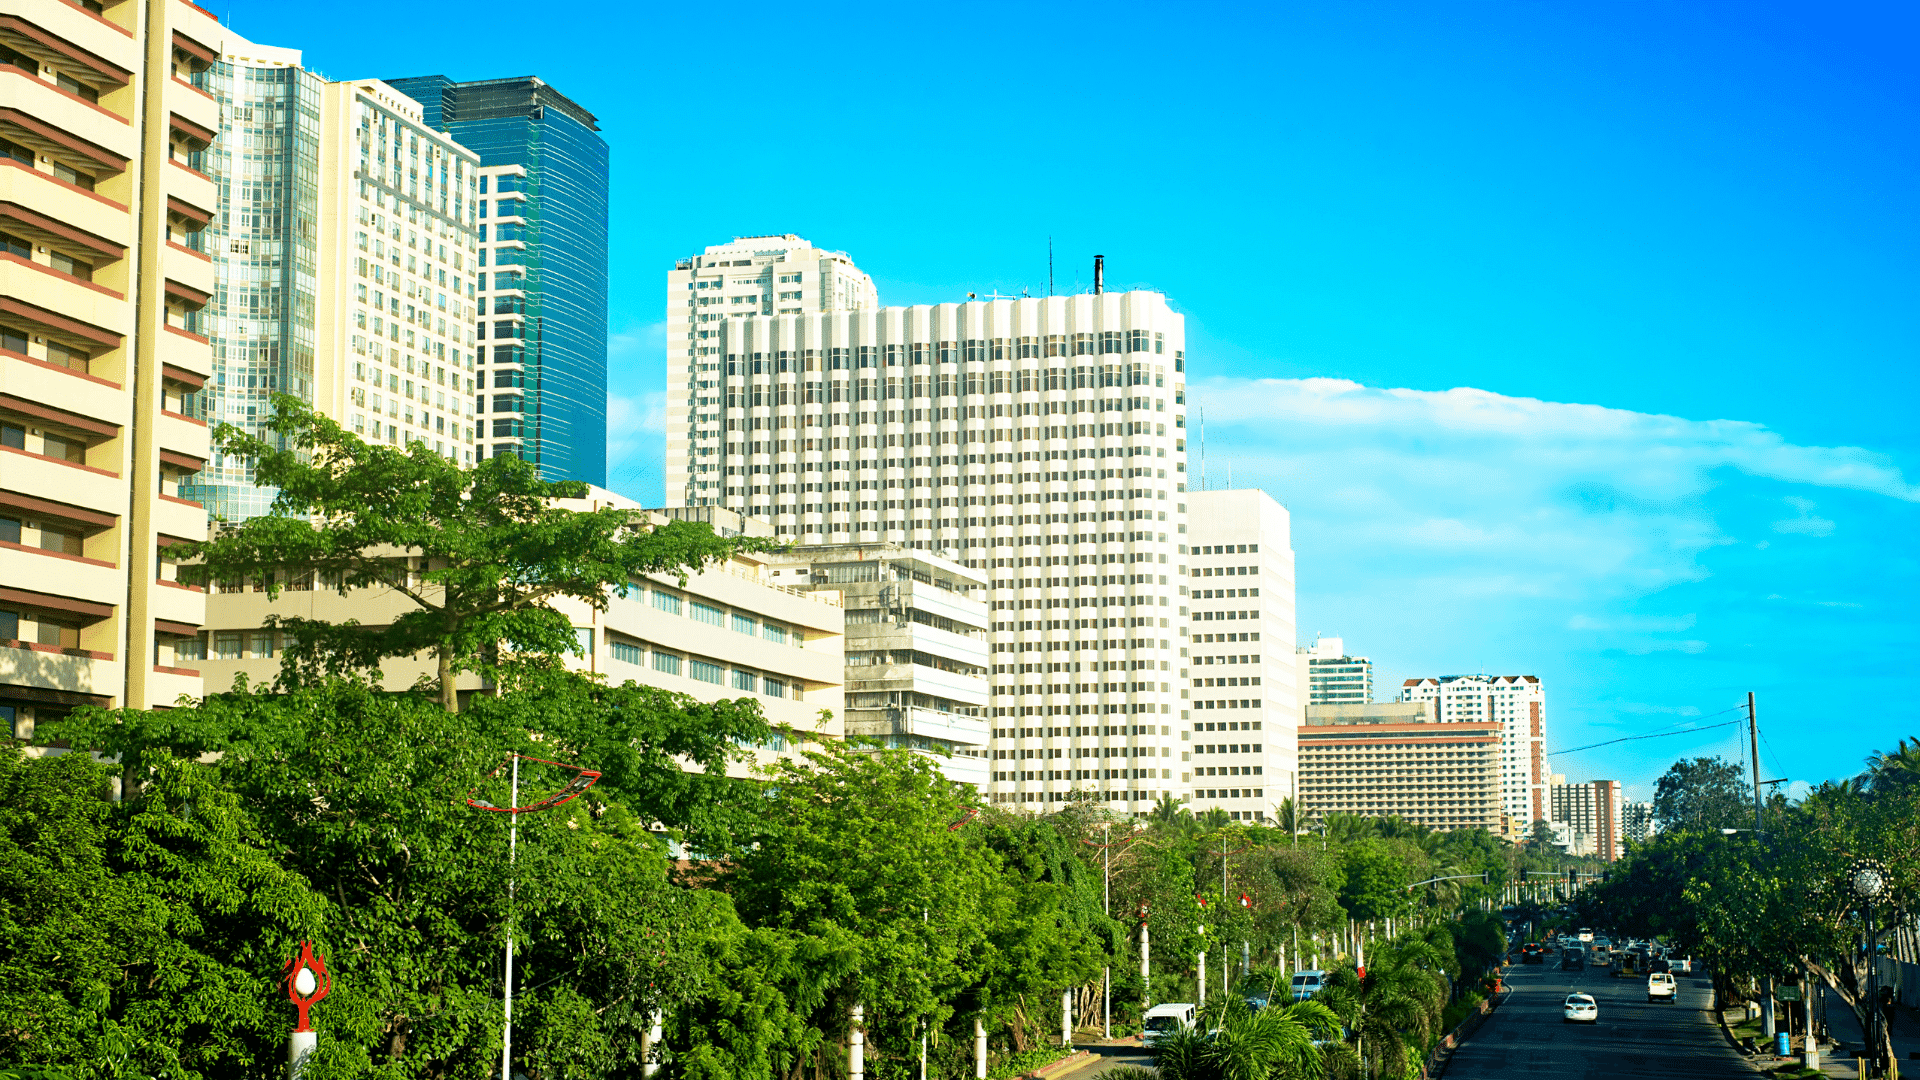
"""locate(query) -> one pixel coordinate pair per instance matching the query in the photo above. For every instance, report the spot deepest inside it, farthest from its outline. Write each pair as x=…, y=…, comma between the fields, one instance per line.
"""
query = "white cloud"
x=1465, y=495
x=1806, y=524
x=636, y=411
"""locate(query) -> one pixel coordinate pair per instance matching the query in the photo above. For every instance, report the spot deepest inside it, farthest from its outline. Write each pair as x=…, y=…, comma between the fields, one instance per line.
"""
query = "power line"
x=1657, y=734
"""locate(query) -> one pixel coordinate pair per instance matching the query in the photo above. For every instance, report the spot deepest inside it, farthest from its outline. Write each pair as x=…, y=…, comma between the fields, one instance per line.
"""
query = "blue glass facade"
x=559, y=405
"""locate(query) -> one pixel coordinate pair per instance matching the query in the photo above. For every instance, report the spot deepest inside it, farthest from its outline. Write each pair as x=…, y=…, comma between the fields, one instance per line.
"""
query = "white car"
x=1580, y=1009
x=1661, y=985
x=1586, y=935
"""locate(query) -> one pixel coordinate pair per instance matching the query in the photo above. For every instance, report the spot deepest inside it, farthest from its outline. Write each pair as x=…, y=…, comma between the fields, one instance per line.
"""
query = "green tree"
x=1376, y=881
x=1702, y=793
x=480, y=551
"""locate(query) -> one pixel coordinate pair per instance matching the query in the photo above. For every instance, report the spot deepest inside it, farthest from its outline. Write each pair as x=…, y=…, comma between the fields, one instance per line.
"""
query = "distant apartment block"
x=1593, y=811
x=1244, y=709
x=1636, y=822
x=104, y=205
x=1518, y=703
x=1395, y=759
x=543, y=277
x=730, y=631
x=1328, y=676
x=916, y=649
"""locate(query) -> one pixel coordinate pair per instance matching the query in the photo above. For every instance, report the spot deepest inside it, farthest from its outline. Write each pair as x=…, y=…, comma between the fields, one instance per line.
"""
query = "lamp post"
x=307, y=981
x=581, y=780
x=1869, y=883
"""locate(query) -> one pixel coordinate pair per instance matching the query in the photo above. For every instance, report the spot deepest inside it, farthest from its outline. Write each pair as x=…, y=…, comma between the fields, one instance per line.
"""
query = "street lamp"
x=1869, y=882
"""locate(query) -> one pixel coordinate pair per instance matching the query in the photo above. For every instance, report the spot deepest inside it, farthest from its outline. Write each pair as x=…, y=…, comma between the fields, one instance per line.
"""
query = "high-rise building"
x=1636, y=822
x=1519, y=703
x=344, y=256
x=1328, y=676
x=395, y=358
x=102, y=218
x=1041, y=440
x=1395, y=759
x=752, y=275
x=1593, y=811
x=264, y=242
x=543, y=272
x=1241, y=671
x=916, y=647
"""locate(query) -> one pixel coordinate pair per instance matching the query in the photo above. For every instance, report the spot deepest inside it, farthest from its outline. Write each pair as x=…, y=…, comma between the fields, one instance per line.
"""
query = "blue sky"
x=1580, y=339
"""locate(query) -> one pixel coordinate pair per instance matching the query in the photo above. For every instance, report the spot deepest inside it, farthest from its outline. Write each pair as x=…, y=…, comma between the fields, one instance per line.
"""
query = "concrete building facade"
x=1328, y=676
x=1243, y=715
x=1041, y=440
x=727, y=632
x=1518, y=703
x=916, y=649
x=103, y=208
x=1397, y=759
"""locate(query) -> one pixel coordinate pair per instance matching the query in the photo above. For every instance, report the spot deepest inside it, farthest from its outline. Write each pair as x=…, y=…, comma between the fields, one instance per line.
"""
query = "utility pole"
x=1106, y=833
x=1759, y=837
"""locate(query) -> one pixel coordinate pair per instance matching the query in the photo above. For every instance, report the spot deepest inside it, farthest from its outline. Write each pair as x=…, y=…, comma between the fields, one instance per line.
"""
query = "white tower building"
x=1328, y=676
x=1519, y=702
x=752, y=276
x=1245, y=705
x=1041, y=440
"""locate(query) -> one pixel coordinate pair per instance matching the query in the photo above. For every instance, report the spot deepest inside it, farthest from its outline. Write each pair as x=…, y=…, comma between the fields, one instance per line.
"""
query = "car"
x=1162, y=1021
x=1572, y=959
x=1659, y=967
x=1681, y=964
x=1531, y=953
x=1307, y=983
x=1580, y=1009
x=1661, y=985
x=1585, y=935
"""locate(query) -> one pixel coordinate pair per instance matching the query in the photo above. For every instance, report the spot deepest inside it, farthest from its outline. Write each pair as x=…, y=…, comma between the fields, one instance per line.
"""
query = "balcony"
x=179, y=517
x=64, y=388
x=67, y=297
x=25, y=665
x=166, y=685
x=64, y=482
x=41, y=193
x=184, y=436
x=175, y=602
x=181, y=98
x=91, y=32
x=186, y=351
x=947, y=727
x=63, y=575
x=187, y=267
x=188, y=186
x=918, y=678
x=112, y=138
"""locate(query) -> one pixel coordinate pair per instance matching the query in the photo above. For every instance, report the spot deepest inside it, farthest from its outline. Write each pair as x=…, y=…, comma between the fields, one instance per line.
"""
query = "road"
x=1527, y=1037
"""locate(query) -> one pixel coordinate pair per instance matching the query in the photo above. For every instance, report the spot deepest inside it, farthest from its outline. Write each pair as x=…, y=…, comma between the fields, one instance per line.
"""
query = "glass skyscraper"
x=263, y=242
x=542, y=326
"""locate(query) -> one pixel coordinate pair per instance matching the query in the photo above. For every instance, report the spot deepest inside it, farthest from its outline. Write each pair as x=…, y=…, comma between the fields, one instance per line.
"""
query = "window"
x=774, y=632
x=707, y=613
x=746, y=680
x=705, y=672
x=626, y=652
x=666, y=662
x=667, y=602
x=226, y=646
x=773, y=688
x=9, y=626
x=744, y=624
x=262, y=644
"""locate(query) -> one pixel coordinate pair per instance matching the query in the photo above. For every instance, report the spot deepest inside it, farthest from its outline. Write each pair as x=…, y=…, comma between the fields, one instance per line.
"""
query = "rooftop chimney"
x=1099, y=274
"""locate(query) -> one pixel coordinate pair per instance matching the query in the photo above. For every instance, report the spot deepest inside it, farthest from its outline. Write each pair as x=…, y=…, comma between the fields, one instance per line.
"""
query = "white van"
x=1163, y=1020
x=1307, y=983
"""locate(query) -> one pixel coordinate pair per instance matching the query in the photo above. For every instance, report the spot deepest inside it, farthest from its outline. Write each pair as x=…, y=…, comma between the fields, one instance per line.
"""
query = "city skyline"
x=1646, y=247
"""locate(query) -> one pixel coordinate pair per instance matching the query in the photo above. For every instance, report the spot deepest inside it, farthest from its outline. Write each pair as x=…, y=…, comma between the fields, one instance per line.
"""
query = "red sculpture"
x=307, y=981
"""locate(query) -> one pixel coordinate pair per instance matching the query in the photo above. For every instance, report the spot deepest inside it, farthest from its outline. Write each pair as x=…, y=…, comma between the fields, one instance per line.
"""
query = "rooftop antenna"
x=1099, y=274
x=1049, y=266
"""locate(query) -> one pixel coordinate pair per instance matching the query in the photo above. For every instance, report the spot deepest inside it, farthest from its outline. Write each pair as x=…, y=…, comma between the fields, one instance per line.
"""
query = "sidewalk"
x=1845, y=1030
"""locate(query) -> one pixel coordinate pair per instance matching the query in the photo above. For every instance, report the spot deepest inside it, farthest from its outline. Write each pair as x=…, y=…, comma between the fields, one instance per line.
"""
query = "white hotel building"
x=1039, y=440
x=1519, y=702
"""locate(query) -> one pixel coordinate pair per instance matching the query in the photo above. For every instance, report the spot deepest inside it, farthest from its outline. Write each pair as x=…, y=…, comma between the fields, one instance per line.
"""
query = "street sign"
x=1786, y=993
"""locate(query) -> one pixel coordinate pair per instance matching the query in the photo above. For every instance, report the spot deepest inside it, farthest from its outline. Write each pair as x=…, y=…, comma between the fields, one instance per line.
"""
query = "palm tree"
x=1232, y=1042
x=1286, y=817
x=1395, y=1008
x=1894, y=770
x=1169, y=814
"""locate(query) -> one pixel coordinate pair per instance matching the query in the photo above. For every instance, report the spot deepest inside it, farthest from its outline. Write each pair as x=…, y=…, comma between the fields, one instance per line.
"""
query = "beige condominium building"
x=730, y=631
x=1394, y=759
x=916, y=649
x=1593, y=813
x=1244, y=711
x=103, y=199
